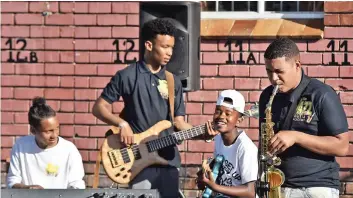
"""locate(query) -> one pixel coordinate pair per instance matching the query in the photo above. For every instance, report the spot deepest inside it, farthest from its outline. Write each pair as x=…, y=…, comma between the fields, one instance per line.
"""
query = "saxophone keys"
x=277, y=161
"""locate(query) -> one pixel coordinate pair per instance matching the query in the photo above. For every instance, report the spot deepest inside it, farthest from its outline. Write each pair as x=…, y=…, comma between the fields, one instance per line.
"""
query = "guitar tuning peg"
x=209, y=159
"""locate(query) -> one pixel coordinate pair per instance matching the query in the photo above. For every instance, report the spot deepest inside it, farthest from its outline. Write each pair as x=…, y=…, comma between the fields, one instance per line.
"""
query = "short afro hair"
x=161, y=26
x=282, y=47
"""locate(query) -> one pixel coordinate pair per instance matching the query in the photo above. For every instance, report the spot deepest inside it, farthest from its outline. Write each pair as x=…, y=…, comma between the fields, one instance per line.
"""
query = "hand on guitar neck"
x=205, y=176
x=210, y=132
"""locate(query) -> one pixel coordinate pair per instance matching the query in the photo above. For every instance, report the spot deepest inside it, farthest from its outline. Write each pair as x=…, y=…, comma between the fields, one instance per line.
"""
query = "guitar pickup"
x=113, y=158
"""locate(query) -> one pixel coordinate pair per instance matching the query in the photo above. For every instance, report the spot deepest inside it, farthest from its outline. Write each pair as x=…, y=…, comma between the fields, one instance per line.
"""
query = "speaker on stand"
x=185, y=16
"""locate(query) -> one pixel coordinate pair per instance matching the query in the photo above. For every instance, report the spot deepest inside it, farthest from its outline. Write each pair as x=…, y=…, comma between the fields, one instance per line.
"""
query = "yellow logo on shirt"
x=163, y=88
x=304, y=111
x=52, y=170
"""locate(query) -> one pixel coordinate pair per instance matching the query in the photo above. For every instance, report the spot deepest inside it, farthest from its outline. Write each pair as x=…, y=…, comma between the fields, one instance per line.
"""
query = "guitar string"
x=159, y=143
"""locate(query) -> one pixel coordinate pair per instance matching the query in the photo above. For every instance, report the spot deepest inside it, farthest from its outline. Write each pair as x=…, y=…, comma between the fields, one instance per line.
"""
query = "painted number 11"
x=343, y=45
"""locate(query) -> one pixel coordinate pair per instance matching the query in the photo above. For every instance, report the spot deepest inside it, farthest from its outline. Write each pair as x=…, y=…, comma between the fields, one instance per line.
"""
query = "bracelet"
x=123, y=124
x=209, y=140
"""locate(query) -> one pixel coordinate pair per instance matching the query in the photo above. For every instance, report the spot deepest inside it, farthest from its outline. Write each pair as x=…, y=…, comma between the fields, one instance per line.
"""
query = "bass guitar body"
x=122, y=163
x=218, y=162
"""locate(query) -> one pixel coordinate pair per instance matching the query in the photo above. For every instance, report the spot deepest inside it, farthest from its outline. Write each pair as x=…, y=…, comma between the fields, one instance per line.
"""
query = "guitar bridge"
x=113, y=158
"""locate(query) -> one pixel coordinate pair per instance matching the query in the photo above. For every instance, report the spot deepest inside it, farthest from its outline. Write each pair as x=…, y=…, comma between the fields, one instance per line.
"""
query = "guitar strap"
x=170, y=82
x=96, y=170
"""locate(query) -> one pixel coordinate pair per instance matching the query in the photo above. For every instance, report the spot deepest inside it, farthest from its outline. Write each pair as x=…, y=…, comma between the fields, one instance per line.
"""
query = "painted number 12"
x=117, y=60
x=32, y=56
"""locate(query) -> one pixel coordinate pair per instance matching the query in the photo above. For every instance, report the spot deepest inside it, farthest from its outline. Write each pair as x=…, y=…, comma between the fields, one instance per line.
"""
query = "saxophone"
x=270, y=178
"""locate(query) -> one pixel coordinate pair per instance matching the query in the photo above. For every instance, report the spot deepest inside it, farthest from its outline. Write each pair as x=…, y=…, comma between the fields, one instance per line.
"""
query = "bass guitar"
x=217, y=164
x=122, y=163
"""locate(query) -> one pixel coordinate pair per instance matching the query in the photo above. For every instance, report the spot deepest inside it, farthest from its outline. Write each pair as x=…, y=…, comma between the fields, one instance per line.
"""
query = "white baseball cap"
x=238, y=101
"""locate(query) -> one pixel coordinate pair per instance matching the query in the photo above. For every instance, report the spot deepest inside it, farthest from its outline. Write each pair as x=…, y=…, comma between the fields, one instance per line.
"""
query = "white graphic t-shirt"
x=240, y=165
x=59, y=167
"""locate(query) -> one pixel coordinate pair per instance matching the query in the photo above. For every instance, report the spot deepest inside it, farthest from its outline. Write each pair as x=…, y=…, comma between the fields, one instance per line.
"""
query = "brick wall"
x=339, y=28
x=67, y=52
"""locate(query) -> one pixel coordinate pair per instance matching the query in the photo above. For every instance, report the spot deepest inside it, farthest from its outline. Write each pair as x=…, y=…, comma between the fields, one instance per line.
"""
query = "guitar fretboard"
x=174, y=138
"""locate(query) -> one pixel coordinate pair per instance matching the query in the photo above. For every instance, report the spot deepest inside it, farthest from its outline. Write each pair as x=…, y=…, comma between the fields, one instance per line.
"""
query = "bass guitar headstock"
x=253, y=112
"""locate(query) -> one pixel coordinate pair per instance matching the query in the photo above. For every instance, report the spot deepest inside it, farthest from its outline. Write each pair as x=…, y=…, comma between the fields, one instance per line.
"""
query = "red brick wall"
x=73, y=53
x=339, y=27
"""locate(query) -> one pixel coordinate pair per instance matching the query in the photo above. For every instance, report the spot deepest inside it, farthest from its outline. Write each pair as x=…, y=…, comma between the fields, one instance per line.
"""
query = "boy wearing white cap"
x=238, y=172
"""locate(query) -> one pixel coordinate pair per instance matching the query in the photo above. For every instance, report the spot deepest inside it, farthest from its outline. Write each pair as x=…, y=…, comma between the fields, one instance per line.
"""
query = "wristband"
x=123, y=124
x=208, y=140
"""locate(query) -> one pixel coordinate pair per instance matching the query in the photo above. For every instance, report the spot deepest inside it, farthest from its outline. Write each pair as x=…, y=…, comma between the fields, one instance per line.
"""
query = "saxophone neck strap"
x=299, y=91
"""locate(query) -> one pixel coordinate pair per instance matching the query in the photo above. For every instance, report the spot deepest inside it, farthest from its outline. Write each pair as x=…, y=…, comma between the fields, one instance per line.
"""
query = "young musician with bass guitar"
x=144, y=88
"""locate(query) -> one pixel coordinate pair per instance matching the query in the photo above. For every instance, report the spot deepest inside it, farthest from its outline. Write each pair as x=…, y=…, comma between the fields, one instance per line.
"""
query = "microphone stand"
x=262, y=184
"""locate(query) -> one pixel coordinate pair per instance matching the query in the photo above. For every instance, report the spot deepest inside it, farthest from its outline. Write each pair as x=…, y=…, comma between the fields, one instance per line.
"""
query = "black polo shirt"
x=146, y=102
x=319, y=112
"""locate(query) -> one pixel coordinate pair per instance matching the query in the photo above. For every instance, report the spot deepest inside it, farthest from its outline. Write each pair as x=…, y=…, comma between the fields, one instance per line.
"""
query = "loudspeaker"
x=185, y=16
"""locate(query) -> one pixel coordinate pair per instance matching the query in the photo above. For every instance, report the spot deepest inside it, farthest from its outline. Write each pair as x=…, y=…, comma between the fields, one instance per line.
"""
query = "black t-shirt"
x=319, y=112
x=146, y=101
